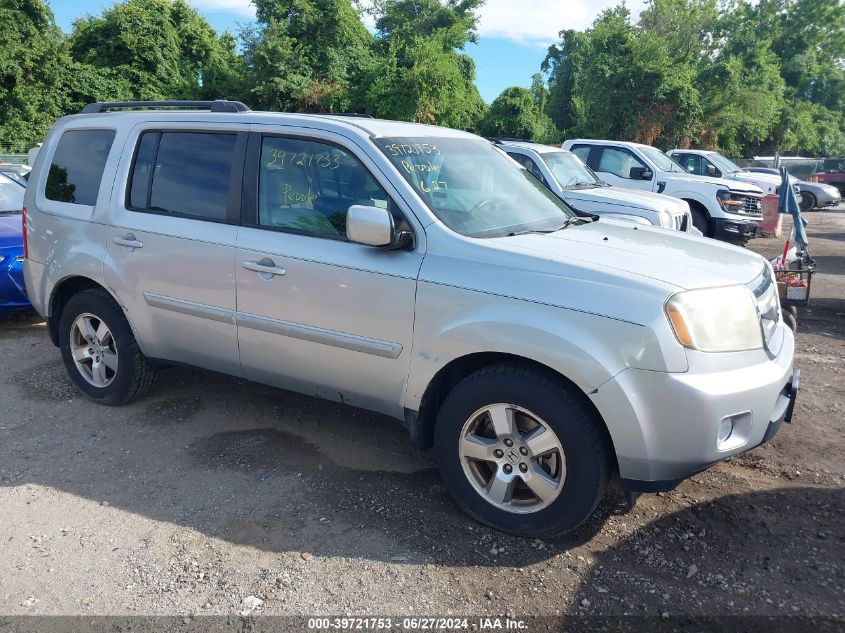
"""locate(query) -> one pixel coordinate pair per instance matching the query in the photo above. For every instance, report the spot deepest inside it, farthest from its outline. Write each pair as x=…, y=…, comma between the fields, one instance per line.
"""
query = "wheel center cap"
x=512, y=456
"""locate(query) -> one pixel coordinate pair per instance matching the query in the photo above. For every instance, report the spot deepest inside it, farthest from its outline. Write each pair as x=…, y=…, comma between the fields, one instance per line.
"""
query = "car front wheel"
x=100, y=352
x=521, y=452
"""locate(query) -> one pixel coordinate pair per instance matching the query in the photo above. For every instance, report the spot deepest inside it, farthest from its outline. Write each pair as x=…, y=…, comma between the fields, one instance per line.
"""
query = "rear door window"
x=77, y=166
x=185, y=174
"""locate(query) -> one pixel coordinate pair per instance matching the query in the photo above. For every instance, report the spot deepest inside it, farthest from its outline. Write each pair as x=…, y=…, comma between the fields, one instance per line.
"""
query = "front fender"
x=587, y=349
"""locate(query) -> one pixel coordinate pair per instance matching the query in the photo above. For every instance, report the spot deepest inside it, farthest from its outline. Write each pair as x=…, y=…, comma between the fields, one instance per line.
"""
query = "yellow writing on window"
x=436, y=185
x=415, y=149
x=291, y=196
x=325, y=160
x=426, y=167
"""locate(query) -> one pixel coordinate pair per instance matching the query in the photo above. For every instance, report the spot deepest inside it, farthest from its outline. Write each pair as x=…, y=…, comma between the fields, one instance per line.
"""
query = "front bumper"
x=823, y=202
x=734, y=230
x=666, y=427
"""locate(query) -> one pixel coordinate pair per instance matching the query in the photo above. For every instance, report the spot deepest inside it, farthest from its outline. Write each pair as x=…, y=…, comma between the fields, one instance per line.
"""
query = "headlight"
x=666, y=220
x=715, y=319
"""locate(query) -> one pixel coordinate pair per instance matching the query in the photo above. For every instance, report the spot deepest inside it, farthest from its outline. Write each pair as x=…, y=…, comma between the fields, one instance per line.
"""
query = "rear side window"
x=77, y=167
x=185, y=174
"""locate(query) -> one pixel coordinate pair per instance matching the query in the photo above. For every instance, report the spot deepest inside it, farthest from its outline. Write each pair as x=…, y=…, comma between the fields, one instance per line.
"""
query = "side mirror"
x=640, y=173
x=711, y=170
x=373, y=226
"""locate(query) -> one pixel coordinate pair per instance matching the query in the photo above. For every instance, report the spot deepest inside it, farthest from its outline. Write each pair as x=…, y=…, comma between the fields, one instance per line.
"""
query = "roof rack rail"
x=356, y=115
x=219, y=105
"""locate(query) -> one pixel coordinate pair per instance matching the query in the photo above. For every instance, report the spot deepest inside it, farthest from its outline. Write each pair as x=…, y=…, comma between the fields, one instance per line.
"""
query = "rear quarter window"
x=77, y=166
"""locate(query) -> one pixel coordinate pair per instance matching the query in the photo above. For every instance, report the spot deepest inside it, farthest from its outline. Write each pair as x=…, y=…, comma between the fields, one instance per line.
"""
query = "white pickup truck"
x=577, y=185
x=709, y=163
x=724, y=209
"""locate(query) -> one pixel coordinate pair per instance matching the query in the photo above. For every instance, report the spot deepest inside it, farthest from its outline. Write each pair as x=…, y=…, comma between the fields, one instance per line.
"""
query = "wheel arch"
x=62, y=293
x=421, y=423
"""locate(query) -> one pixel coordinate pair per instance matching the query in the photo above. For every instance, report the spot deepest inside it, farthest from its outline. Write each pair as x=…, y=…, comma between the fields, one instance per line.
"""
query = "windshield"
x=662, y=161
x=725, y=165
x=11, y=196
x=569, y=171
x=474, y=188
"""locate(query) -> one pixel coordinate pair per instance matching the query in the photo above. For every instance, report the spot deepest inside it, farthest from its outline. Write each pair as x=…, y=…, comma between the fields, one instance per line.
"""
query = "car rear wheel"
x=99, y=350
x=808, y=202
x=521, y=452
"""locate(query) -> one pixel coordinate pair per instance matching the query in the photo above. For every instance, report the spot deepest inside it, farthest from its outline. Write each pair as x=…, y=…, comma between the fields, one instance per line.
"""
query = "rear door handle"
x=128, y=241
x=265, y=267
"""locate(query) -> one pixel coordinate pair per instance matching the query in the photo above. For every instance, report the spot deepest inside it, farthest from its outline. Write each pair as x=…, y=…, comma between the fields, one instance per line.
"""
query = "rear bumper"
x=734, y=230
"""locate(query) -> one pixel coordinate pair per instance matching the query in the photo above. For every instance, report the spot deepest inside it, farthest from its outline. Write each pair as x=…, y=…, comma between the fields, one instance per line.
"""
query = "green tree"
x=517, y=113
x=163, y=48
x=618, y=80
x=32, y=66
x=419, y=72
x=307, y=55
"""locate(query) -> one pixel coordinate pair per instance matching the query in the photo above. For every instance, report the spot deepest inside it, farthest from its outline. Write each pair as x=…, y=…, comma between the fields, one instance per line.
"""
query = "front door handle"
x=264, y=267
x=128, y=241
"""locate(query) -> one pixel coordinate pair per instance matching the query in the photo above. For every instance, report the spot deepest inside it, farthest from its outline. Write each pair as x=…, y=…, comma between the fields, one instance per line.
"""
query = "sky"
x=514, y=35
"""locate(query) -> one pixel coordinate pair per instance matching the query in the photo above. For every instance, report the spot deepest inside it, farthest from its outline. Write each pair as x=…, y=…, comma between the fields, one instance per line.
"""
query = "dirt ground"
x=211, y=493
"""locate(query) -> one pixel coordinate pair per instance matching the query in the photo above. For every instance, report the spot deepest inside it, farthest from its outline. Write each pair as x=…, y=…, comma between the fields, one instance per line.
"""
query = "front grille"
x=768, y=303
x=751, y=205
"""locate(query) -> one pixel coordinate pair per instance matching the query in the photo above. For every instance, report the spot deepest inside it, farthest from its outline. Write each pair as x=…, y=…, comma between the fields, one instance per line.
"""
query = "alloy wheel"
x=93, y=349
x=512, y=458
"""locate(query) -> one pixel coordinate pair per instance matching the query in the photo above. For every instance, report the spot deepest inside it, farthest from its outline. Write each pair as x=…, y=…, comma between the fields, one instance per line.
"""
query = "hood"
x=667, y=257
x=10, y=231
x=630, y=198
x=724, y=183
x=768, y=182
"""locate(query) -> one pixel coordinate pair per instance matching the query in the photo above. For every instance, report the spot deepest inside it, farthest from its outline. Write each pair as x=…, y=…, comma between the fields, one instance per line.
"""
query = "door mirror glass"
x=640, y=173
x=371, y=226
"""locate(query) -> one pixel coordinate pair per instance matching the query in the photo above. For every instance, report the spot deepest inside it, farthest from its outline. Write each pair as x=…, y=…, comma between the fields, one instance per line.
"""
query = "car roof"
x=694, y=151
x=531, y=145
x=359, y=124
x=591, y=141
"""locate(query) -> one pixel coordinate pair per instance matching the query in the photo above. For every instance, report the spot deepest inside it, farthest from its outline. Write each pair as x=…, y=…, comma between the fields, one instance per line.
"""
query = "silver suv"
x=412, y=270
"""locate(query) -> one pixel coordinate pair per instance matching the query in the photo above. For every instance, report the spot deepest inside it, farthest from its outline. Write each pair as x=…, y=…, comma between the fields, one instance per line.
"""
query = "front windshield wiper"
x=566, y=224
x=582, y=185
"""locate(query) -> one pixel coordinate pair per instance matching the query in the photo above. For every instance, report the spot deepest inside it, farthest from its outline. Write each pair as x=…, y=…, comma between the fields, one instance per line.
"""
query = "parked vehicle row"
x=814, y=195
x=419, y=272
x=578, y=185
x=723, y=209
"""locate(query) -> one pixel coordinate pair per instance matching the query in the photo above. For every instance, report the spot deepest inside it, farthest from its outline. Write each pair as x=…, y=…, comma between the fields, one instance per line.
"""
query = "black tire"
x=790, y=320
x=808, y=202
x=574, y=423
x=134, y=374
x=701, y=221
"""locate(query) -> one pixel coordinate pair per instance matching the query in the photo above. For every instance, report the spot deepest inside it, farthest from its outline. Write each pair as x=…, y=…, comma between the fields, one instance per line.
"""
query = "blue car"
x=12, y=291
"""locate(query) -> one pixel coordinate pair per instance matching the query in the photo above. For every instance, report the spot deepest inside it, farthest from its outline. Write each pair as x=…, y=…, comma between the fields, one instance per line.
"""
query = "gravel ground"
x=215, y=496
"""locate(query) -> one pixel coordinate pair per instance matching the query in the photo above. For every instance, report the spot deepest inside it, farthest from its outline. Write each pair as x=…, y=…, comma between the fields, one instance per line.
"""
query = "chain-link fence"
x=801, y=168
x=13, y=158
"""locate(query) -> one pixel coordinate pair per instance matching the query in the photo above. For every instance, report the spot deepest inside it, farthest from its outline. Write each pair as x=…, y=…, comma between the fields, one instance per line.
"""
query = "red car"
x=832, y=173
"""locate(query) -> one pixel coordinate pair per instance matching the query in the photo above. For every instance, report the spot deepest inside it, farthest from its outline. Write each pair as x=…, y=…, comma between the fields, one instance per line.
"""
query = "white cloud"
x=538, y=22
x=240, y=7
x=530, y=22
